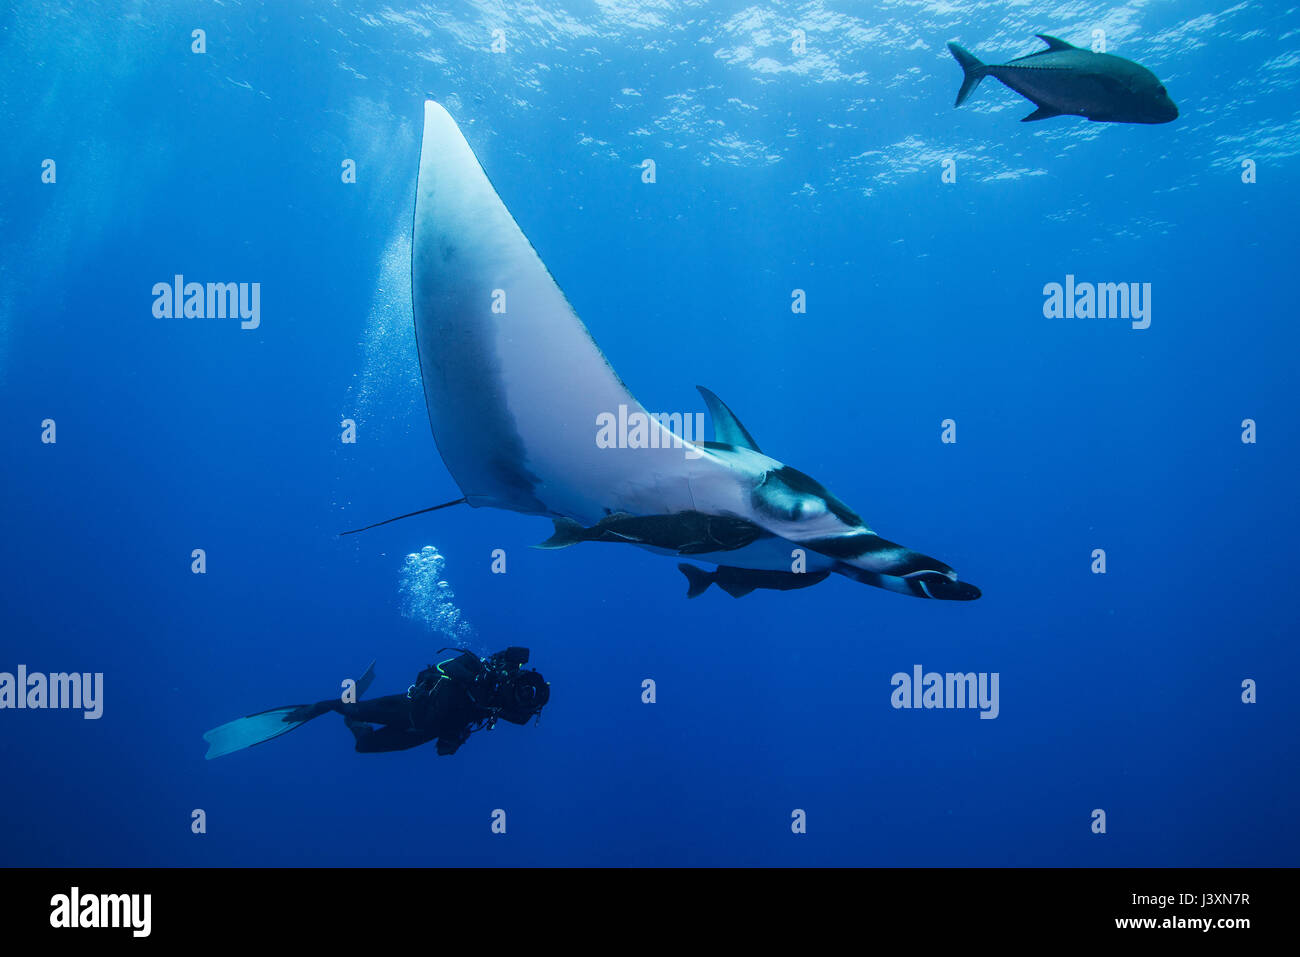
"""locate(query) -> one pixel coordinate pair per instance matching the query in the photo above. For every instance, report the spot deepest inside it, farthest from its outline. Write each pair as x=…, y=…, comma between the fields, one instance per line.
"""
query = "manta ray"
x=516, y=389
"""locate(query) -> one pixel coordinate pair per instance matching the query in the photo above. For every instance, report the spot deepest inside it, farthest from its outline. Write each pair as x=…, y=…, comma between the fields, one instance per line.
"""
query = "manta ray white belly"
x=514, y=393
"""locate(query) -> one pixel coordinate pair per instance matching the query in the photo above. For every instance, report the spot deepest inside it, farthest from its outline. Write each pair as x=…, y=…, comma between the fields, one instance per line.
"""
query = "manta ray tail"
x=567, y=532
x=698, y=580
x=973, y=69
x=387, y=521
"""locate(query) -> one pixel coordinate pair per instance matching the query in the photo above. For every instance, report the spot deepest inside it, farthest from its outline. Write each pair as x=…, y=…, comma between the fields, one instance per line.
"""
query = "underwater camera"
x=517, y=694
x=526, y=696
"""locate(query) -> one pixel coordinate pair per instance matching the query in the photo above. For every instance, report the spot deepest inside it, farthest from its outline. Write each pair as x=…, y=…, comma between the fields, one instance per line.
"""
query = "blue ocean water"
x=776, y=170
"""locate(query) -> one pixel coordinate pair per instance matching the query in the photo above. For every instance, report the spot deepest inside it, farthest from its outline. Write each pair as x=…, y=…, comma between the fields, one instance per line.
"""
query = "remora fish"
x=739, y=582
x=1064, y=79
x=690, y=533
x=516, y=386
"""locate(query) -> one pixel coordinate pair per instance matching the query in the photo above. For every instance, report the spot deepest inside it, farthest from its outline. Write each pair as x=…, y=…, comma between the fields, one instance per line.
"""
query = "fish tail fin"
x=698, y=580
x=567, y=532
x=972, y=68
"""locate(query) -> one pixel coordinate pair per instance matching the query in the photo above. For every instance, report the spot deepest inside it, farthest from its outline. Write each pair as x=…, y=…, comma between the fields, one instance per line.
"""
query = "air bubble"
x=428, y=598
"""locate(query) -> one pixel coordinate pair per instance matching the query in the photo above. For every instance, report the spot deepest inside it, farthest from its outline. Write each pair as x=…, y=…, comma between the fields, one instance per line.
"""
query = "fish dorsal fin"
x=726, y=427
x=1053, y=43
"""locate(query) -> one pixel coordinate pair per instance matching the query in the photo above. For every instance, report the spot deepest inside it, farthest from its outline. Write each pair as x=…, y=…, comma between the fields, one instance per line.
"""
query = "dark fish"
x=686, y=533
x=739, y=582
x=1064, y=79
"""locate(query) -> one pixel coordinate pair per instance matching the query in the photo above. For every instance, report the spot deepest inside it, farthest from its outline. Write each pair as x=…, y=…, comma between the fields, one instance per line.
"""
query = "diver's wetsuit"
x=408, y=722
x=439, y=705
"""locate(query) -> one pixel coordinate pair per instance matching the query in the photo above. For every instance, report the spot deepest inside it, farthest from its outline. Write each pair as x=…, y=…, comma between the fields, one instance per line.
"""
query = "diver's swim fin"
x=254, y=729
x=366, y=680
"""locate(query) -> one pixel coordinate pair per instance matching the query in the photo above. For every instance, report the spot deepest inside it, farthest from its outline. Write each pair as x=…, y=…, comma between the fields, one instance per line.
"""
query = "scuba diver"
x=449, y=701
